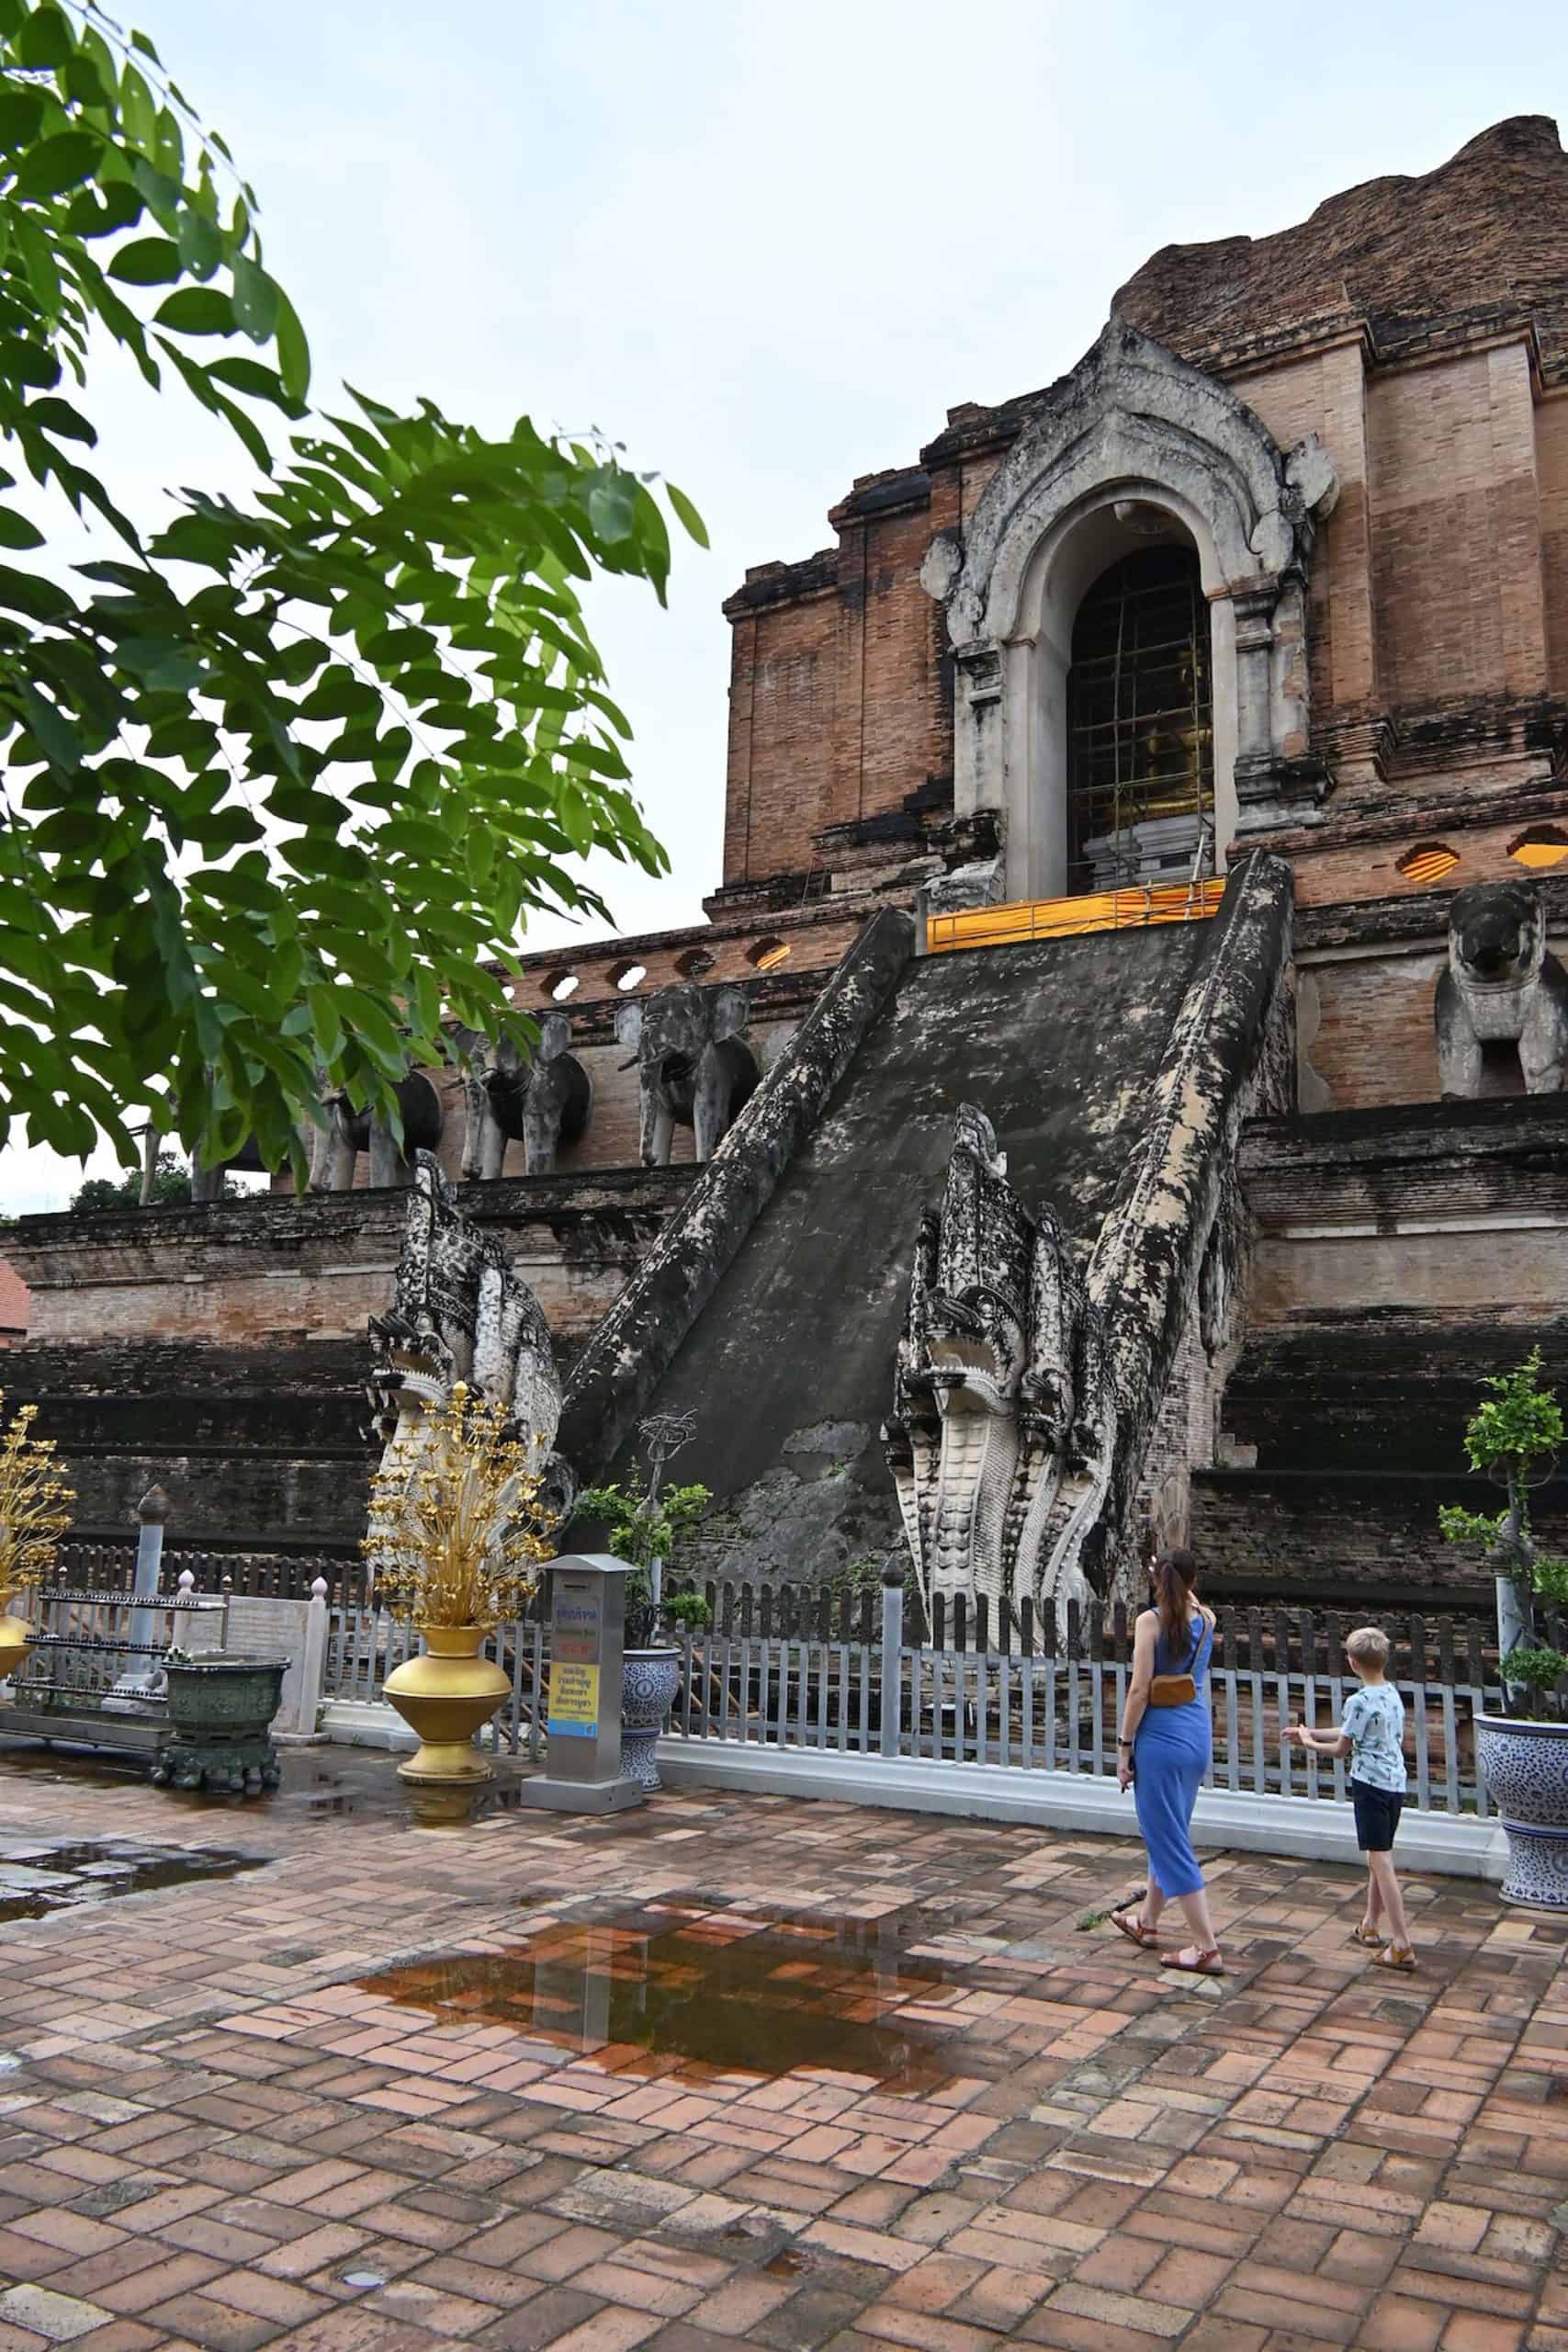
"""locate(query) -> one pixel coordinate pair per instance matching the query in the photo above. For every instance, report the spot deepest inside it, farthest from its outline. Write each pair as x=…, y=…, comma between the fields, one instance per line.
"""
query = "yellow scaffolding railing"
x=1069, y=918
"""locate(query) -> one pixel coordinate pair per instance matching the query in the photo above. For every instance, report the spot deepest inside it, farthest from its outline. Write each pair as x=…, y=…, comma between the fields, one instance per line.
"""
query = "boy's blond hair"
x=1369, y=1645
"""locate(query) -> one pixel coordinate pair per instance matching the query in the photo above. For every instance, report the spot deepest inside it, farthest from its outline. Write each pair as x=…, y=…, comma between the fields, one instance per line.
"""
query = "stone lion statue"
x=1501, y=986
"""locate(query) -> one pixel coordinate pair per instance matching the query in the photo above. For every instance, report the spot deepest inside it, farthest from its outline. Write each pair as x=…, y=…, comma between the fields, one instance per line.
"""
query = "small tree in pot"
x=645, y=1528
x=459, y=1529
x=1513, y=1438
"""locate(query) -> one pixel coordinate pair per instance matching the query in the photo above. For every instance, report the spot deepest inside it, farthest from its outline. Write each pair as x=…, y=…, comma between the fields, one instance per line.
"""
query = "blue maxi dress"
x=1172, y=1751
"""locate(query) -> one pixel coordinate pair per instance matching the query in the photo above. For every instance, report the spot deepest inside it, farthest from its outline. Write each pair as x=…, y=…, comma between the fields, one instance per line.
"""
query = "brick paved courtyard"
x=217, y=2135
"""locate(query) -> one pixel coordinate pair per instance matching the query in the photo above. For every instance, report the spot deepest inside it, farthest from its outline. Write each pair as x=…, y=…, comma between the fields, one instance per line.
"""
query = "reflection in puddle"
x=722, y=1988
x=312, y=1789
x=71, y=1763
x=35, y=1880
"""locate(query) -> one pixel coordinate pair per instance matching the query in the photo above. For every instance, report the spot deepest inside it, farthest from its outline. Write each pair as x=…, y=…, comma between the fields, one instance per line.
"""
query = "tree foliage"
x=1513, y=1439
x=644, y=1527
x=171, y=1188
x=282, y=781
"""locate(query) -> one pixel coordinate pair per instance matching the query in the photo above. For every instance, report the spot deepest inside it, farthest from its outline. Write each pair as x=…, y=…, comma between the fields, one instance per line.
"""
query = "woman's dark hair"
x=1175, y=1577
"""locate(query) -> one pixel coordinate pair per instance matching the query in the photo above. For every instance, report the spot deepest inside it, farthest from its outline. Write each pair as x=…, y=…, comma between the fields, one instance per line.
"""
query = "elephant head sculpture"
x=540, y=1100
x=334, y=1150
x=695, y=1069
x=1503, y=987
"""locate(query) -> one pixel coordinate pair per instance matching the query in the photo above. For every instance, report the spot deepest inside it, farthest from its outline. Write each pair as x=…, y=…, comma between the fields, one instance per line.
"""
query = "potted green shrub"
x=645, y=1528
x=1513, y=1439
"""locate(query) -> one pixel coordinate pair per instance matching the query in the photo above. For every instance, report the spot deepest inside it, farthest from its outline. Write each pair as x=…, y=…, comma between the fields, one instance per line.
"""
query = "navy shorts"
x=1377, y=1815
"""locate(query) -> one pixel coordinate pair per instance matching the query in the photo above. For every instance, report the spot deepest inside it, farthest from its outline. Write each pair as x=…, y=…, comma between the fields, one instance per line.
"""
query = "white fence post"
x=892, y=1654
x=313, y=1666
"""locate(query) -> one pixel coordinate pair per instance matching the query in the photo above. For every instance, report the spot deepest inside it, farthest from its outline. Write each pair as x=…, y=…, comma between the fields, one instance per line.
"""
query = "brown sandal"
x=1399, y=1956
x=1368, y=1938
x=1204, y=1962
x=1136, y=1930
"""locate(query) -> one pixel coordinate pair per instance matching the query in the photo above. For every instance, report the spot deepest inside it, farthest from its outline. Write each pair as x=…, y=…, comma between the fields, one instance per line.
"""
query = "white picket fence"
x=1049, y=1713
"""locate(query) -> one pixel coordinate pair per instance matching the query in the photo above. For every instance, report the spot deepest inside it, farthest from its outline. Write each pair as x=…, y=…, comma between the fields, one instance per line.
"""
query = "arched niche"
x=1134, y=443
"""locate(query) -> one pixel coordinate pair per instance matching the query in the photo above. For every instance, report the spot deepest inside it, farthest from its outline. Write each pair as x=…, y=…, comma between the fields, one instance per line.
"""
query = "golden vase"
x=16, y=1636
x=444, y=1697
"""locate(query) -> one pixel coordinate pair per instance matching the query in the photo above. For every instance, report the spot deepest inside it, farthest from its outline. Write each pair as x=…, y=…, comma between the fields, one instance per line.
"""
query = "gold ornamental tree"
x=457, y=1537
x=34, y=1504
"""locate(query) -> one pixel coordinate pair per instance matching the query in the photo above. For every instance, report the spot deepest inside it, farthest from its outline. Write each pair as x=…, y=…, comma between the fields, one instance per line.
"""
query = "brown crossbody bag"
x=1179, y=1689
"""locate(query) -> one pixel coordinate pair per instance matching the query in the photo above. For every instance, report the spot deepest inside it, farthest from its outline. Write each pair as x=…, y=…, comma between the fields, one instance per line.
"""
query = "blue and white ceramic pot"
x=650, y=1681
x=1525, y=1766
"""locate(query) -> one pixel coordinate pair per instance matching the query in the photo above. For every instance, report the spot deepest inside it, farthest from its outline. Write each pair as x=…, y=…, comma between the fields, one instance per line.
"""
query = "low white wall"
x=1314, y=1829
x=365, y=1722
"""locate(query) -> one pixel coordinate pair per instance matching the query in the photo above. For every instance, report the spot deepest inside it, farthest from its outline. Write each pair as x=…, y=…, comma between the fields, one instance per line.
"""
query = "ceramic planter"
x=649, y=1680
x=1525, y=1766
x=221, y=1711
x=444, y=1696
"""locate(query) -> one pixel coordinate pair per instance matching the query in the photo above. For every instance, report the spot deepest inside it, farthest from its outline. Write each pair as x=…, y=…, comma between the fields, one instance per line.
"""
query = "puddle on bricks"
x=754, y=1993
x=38, y=1879
x=311, y=1787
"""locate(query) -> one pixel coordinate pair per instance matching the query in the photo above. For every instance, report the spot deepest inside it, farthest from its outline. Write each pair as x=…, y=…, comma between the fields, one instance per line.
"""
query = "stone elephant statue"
x=334, y=1149
x=541, y=1100
x=695, y=1069
x=1502, y=987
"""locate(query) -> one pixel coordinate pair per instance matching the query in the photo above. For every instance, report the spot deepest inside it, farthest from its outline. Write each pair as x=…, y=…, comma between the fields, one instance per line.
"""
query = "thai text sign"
x=574, y=1700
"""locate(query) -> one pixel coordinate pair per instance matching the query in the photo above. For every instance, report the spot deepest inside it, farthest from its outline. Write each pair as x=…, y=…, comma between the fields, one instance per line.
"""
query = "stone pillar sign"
x=582, y=1718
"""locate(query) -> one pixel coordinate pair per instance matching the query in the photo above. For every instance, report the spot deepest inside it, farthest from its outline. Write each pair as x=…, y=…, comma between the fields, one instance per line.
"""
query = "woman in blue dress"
x=1165, y=1749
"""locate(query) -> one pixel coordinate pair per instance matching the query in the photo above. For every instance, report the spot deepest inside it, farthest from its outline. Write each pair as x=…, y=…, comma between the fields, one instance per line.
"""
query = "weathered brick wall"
x=1331, y=873
x=785, y=691
x=1327, y=394
x=890, y=656
x=277, y=1268
x=222, y=1351
x=815, y=937
x=1358, y=1541
x=1456, y=541
x=1457, y=1207
x=1551, y=470
x=1400, y=1258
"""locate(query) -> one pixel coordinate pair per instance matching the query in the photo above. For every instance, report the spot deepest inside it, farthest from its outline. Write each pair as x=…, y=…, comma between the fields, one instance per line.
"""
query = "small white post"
x=892, y=1653
x=313, y=1667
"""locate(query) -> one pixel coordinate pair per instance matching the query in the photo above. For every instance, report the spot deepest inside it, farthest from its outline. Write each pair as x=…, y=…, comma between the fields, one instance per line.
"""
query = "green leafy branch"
x=644, y=1528
x=283, y=787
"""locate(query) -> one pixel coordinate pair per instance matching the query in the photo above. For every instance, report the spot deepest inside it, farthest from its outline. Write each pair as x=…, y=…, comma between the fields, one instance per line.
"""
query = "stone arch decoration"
x=1135, y=443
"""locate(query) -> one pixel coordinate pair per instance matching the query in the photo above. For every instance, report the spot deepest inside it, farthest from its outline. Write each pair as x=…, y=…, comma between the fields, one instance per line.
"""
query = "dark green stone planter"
x=220, y=1712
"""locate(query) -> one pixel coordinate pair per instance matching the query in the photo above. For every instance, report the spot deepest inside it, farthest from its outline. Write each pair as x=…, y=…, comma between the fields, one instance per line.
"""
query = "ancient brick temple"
x=1171, y=766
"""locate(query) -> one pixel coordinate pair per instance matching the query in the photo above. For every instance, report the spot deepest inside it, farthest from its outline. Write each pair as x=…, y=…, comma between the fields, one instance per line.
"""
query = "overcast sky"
x=766, y=247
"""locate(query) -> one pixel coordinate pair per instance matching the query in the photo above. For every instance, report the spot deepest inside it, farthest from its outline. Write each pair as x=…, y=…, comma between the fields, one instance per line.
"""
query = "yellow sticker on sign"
x=573, y=1712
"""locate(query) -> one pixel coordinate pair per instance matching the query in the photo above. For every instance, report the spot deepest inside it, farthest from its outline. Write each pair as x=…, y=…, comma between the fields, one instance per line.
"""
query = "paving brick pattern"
x=214, y=2136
